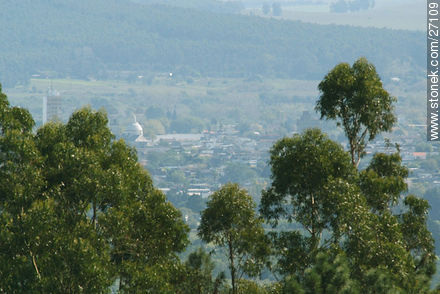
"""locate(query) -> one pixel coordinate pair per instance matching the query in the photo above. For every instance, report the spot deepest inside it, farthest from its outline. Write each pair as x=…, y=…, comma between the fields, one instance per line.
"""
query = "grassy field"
x=404, y=15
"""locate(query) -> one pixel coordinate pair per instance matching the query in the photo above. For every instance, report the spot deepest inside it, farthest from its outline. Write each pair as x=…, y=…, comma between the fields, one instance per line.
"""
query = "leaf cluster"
x=78, y=212
x=346, y=211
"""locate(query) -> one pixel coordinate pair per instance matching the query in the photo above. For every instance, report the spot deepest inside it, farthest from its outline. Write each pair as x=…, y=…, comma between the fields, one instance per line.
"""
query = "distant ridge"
x=84, y=38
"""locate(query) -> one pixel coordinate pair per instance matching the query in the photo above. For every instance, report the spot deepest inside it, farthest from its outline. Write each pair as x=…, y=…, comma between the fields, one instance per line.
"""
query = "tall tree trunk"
x=231, y=260
x=353, y=155
x=314, y=236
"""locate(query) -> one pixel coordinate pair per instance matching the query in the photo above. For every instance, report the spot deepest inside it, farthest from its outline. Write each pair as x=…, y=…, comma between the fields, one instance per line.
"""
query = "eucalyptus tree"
x=229, y=220
x=354, y=96
x=303, y=167
x=77, y=211
x=383, y=183
x=315, y=184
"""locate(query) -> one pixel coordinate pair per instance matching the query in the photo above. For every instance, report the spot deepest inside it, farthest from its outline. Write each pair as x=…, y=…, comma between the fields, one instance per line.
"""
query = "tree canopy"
x=302, y=169
x=354, y=96
x=229, y=221
x=315, y=184
x=78, y=212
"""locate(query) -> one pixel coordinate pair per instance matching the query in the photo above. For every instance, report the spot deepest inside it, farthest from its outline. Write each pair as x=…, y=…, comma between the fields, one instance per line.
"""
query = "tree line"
x=83, y=39
x=78, y=214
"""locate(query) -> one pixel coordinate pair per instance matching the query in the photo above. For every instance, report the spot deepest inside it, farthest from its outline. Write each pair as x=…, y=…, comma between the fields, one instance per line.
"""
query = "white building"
x=134, y=132
x=51, y=105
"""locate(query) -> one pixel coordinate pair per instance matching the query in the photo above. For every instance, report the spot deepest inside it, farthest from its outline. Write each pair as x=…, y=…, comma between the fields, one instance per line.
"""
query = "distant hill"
x=84, y=38
x=219, y=6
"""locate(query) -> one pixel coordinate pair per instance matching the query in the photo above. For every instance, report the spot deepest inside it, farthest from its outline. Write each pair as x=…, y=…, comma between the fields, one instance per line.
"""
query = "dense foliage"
x=355, y=97
x=77, y=211
x=347, y=212
x=229, y=221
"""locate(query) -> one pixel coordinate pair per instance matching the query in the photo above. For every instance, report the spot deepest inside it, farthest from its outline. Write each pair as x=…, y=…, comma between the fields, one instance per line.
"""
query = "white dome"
x=135, y=129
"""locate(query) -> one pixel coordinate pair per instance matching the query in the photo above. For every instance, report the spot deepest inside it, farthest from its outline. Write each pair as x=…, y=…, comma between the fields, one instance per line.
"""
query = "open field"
x=403, y=15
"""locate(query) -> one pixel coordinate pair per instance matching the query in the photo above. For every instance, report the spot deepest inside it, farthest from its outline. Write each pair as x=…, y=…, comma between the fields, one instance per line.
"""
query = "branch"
x=34, y=262
x=241, y=273
x=309, y=230
x=358, y=144
x=362, y=137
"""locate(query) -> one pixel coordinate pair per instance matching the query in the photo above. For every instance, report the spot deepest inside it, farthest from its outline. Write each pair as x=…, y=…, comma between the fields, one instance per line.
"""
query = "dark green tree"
x=355, y=98
x=330, y=274
x=419, y=242
x=315, y=184
x=198, y=277
x=229, y=220
x=77, y=211
x=302, y=168
x=40, y=252
x=383, y=183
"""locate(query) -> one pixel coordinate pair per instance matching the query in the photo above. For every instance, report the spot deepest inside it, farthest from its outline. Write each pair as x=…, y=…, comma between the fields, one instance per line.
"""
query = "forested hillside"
x=95, y=39
x=204, y=5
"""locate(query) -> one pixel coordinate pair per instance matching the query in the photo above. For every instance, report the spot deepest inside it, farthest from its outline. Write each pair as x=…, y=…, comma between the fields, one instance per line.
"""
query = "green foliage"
x=302, y=169
x=354, y=96
x=383, y=181
x=78, y=211
x=418, y=238
x=250, y=287
x=292, y=251
x=314, y=183
x=229, y=221
x=329, y=274
x=380, y=281
x=199, y=280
